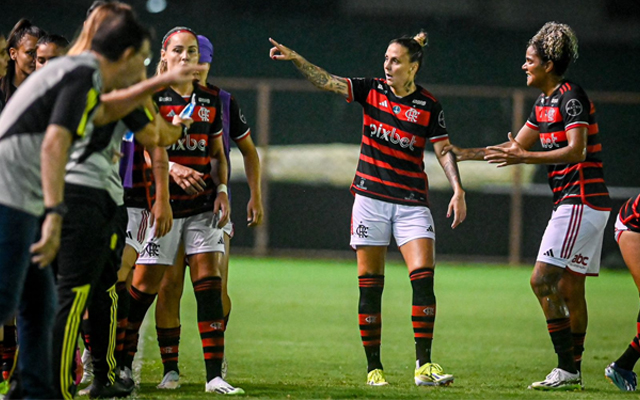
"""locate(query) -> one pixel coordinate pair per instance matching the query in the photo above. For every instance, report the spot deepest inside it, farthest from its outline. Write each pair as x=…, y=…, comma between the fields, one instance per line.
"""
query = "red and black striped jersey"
x=193, y=148
x=553, y=116
x=141, y=194
x=394, y=134
x=630, y=214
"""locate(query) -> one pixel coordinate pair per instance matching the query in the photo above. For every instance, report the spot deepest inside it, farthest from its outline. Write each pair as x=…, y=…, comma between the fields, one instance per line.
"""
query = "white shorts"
x=197, y=234
x=229, y=229
x=373, y=221
x=137, y=228
x=573, y=239
x=618, y=228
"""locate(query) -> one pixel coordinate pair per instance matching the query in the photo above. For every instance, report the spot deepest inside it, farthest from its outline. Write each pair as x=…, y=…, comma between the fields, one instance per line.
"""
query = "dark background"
x=471, y=42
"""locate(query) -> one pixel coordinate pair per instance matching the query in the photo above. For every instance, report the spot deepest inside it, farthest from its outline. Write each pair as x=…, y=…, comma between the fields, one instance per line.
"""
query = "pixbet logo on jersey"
x=189, y=143
x=549, y=140
x=392, y=136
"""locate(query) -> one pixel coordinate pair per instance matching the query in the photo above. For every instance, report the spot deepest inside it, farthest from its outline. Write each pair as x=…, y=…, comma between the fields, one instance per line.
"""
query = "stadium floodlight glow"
x=156, y=6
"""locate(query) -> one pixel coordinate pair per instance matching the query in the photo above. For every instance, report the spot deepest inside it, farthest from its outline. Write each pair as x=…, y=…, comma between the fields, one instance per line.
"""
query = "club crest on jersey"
x=441, y=122
x=396, y=109
x=412, y=115
x=203, y=113
x=573, y=107
x=550, y=114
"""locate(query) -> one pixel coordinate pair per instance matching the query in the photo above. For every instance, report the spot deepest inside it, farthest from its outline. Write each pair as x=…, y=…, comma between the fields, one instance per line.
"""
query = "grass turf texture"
x=294, y=334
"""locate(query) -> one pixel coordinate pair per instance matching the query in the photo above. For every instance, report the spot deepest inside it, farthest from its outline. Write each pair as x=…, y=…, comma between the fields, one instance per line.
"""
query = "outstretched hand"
x=280, y=52
x=182, y=74
x=509, y=155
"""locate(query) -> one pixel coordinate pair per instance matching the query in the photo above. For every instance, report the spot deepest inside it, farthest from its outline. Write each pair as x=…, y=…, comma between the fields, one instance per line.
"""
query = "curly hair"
x=558, y=43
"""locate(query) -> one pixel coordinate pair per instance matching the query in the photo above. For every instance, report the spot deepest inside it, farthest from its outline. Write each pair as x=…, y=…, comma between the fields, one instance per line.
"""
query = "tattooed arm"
x=314, y=74
x=457, y=205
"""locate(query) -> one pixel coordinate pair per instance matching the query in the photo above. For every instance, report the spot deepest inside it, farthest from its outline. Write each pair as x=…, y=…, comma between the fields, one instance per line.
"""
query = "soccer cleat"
x=98, y=390
x=624, y=379
x=87, y=367
x=376, y=378
x=224, y=368
x=431, y=374
x=170, y=381
x=126, y=375
x=218, y=385
x=559, y=379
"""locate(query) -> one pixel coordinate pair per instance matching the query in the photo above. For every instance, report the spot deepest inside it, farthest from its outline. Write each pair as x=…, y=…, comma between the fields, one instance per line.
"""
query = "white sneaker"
x=218, y=385
x=559, y=379
x=225, y=368
x=87, y=367
x=170, y=381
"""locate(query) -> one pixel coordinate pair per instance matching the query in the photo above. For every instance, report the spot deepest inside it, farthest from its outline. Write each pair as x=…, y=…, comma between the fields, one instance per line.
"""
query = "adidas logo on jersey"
x=171, y=114
x=384, y=104
x=549, y=253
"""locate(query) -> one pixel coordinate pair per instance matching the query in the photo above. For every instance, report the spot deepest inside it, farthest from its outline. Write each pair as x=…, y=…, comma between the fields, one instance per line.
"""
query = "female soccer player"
x=390, y=190
x=198, y=218
x=21, y=45
x=563, y=119
x=627, y=234
x=4, y=62
x=168, y=305
x=49, y=47
x=21, y=50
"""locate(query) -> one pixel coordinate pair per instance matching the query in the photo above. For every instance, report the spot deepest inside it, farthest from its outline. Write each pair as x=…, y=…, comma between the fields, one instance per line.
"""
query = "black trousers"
x=87, y=271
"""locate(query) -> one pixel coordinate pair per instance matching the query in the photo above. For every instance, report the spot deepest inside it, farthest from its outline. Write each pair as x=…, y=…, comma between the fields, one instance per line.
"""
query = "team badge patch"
x=574, y=107
x=441, y=120
x=396, y=109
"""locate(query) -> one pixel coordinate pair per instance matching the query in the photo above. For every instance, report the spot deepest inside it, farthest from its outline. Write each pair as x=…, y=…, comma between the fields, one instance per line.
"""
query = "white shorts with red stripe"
x=373, y=221
x=573, y=239
x=137, y=228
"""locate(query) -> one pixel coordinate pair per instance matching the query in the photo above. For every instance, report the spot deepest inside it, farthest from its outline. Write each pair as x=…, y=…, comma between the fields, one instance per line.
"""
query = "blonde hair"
x=558, y=43
x=92, y=23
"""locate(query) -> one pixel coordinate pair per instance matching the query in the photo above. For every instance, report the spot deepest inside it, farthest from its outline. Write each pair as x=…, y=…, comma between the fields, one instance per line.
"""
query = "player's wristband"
x=222, y=188
x=60, y=209
x=171, y=165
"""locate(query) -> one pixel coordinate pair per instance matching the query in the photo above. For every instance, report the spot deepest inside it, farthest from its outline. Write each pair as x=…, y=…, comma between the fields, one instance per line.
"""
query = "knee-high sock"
x=370, y=317
x=208, y=292
x=139, y=305
x=560, y=332
x=169, y=343
x=423, y=312
x=631, y=355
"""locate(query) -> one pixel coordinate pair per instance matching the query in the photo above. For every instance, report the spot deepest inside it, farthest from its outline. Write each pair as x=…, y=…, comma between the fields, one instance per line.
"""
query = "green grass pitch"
x=293, y=334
